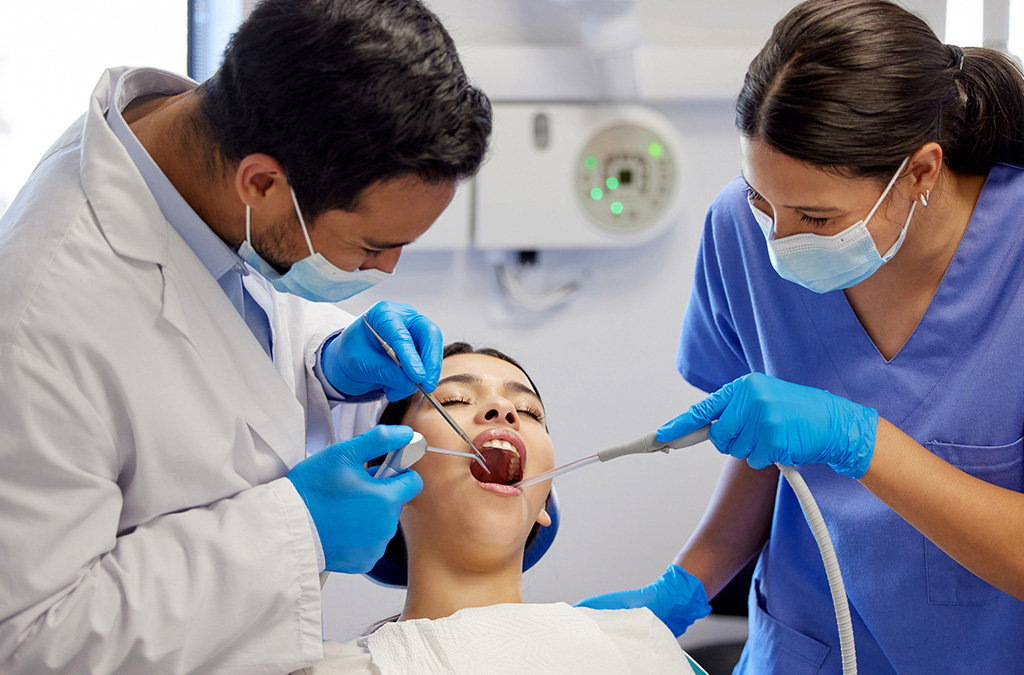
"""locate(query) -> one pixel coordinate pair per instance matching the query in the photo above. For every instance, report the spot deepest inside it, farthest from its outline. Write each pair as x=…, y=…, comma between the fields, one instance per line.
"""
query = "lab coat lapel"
x=198, y=307
x=192, y=302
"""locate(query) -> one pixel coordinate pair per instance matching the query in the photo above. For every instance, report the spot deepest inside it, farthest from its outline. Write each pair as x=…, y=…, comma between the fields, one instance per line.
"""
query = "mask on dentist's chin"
x=314, y=277
x=824, y=264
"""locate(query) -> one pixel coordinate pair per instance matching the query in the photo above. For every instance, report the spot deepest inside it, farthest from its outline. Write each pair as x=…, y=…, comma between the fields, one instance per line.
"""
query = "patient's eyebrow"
x=471, y=378
x=461, y=378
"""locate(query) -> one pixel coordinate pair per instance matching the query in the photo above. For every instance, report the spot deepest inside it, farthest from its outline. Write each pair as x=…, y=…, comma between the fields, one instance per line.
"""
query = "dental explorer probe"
x=430, y=397
x=641, y=446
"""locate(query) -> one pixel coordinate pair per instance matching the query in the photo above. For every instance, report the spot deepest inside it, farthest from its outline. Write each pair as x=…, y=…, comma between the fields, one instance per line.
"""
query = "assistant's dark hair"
x=858, y=85
x=344, y=93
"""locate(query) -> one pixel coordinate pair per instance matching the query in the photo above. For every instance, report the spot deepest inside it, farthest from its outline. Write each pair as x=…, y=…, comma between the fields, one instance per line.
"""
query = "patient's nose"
x=499, y=410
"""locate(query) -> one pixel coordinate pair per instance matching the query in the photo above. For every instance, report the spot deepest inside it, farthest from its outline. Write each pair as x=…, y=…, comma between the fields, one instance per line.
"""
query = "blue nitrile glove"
x=765, y=420
x=355, y=363
x=676, y=597
x=355, y=514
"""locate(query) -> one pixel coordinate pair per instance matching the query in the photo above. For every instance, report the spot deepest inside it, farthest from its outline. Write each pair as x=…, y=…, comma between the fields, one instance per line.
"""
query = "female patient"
x=464, y=540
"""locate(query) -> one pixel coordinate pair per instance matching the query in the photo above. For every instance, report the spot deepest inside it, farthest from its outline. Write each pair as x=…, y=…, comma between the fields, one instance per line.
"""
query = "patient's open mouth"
x=503, y=459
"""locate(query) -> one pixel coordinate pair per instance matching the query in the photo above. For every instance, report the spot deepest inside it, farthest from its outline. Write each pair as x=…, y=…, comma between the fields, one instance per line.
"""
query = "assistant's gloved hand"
x=355, y=363
x=676, y=597
x=765, y=420
x=355, y=514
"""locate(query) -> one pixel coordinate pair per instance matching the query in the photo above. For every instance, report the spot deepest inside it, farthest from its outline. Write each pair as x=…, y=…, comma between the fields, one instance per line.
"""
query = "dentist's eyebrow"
x=815, y=209
x=384, y=246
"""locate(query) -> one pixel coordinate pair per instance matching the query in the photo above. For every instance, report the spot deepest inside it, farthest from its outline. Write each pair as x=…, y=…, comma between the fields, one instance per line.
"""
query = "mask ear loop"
x=302, y=221
x=888, y=187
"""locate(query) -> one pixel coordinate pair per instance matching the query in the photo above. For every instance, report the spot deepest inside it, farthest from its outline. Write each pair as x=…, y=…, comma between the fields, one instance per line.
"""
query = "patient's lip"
x=503, y=490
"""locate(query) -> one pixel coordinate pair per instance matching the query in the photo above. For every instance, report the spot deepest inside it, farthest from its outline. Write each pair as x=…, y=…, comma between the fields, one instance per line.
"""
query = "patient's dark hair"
x=345, y=93
x=858, y=85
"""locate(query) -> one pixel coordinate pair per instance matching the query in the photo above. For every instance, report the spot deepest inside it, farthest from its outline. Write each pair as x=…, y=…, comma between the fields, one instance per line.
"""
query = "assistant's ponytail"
x=991, y=88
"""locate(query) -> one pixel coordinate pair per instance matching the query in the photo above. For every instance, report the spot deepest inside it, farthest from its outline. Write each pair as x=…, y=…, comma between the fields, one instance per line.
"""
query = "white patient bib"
x=509, y=638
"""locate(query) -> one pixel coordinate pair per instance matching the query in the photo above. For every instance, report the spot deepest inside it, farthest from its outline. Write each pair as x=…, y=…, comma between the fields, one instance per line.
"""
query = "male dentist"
x=169, y=355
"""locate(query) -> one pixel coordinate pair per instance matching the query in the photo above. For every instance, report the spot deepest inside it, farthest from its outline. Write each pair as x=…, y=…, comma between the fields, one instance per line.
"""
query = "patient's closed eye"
x=454, y=400
x=533, y=412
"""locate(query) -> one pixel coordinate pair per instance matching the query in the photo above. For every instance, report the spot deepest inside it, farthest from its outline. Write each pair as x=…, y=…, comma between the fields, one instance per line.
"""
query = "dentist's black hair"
x=858, y=85
x=345, y=93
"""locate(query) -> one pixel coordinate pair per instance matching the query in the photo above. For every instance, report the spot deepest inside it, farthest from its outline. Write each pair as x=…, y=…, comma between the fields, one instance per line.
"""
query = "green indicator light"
x=655, y=150
x=590, y=162
x=612, y=183
x=616, y=208
x=596, y=193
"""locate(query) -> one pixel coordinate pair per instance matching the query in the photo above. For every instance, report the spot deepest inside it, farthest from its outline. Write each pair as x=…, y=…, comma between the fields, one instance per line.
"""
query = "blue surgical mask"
x=314, y=277
x=824, y=264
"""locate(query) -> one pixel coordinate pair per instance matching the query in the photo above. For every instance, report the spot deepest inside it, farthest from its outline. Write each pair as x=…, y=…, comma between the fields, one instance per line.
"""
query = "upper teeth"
x=501, y=445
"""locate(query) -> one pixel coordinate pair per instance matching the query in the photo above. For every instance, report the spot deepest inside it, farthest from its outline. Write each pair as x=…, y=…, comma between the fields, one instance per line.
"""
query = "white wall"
x=51, y=57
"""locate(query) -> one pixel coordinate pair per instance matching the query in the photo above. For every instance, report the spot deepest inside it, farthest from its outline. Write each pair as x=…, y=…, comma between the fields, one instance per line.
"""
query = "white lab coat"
x=145, y=524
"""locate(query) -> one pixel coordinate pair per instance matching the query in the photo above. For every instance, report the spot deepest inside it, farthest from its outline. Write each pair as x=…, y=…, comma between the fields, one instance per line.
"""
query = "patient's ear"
x=543, y=519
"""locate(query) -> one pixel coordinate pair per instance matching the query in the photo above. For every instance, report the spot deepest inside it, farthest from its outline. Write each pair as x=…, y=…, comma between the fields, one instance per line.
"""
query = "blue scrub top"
x=956, y=387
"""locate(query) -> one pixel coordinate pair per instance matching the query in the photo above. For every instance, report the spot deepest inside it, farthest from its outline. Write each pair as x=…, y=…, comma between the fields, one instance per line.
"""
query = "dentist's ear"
x=543, y=518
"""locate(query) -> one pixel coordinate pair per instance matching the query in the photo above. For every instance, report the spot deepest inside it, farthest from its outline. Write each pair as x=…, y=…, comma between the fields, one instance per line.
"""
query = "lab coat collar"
x=126, y=211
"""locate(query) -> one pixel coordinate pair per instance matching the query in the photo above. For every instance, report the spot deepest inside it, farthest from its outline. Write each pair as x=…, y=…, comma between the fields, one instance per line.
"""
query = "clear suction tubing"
x=648, y=444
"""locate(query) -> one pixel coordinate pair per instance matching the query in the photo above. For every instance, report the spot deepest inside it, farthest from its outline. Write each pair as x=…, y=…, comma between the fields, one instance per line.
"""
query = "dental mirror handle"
x=395, y=463
x=400, y=460
x=647, y=444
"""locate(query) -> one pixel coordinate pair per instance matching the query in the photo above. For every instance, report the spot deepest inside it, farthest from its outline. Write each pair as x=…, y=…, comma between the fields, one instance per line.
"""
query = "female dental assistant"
x=872, y=249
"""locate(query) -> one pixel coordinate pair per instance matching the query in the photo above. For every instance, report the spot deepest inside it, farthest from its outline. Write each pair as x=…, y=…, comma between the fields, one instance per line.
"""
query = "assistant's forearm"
x=978, y=524
x=734, y=527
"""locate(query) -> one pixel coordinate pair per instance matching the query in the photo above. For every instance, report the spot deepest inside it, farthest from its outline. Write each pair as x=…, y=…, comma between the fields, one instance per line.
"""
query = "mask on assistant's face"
x=822, y=263
x=314, y=277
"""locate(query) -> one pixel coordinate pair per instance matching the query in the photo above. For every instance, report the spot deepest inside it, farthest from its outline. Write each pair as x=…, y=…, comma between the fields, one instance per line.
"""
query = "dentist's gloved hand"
x=355, y=363
x=765, y=420
x=356, y=515
x=676, y=597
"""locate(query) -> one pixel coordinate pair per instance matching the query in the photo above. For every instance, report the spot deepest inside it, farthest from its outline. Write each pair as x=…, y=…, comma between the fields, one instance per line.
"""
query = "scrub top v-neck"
x=956, y=386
